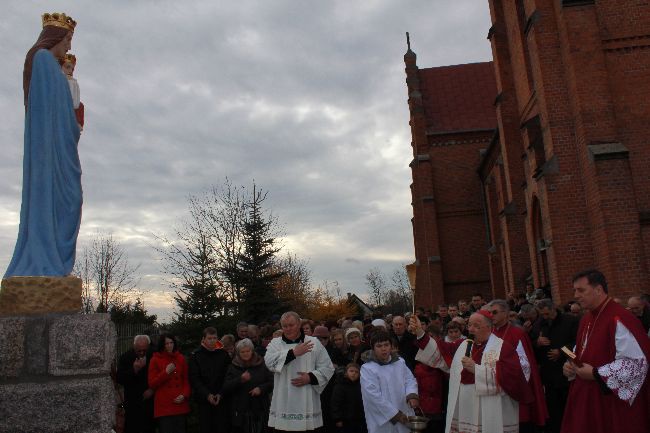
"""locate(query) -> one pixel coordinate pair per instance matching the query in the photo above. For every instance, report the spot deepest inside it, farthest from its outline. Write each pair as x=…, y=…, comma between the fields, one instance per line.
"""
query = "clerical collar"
x=296, y=341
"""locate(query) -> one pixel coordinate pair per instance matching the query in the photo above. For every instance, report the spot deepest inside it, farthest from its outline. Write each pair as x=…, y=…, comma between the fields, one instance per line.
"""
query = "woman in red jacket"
x=169, y=379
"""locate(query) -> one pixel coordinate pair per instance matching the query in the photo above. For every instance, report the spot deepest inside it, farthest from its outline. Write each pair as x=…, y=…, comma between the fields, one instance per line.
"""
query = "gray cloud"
x=307, y=98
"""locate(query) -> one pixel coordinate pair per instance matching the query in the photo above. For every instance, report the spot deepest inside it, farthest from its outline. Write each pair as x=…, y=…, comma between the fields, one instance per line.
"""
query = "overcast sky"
x=306, y=97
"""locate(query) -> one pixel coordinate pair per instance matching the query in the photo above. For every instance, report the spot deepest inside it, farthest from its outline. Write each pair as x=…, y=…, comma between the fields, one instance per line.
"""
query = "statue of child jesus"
x=68, y=64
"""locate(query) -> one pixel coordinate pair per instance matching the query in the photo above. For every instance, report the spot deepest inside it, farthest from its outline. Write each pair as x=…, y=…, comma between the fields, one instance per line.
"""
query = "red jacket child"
x=168, y=386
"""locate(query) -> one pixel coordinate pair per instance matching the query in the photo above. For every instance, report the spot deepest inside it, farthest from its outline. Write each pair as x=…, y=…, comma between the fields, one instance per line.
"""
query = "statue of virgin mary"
x=50, y=212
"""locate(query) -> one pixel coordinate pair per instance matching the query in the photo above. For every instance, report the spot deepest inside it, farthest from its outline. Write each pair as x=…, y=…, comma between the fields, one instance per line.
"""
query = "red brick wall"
x=461, y=221
x=451, y=120
x=588, y=90
x=584, y=192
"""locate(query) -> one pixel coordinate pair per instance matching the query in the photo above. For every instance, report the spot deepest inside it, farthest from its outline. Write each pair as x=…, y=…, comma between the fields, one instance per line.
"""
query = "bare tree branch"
x=105, y=270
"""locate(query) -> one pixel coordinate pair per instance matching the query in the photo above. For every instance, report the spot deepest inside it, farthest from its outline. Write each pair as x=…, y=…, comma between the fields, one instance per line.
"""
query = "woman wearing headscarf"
x=50, y=212
x=248, y=385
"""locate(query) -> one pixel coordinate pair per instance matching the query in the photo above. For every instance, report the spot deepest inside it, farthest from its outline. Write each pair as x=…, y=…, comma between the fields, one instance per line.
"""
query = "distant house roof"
x=459, y=97
x=354, y=299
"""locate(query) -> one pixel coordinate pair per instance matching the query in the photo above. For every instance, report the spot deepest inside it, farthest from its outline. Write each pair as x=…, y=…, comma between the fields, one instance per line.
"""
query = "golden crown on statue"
x=57, y=19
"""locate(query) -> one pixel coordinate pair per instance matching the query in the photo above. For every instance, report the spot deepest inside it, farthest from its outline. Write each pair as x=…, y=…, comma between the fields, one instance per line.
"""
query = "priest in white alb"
x=301, y=368
x=486, y=379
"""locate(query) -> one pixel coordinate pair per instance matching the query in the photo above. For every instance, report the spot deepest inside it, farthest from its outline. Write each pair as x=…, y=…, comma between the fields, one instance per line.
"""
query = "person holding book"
x=609, y=373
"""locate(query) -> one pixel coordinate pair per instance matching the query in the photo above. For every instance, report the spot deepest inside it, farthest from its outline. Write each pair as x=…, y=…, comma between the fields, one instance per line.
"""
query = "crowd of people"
x=522, y=364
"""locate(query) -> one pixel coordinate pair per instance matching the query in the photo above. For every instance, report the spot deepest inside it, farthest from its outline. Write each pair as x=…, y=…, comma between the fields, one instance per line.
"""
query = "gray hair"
x=141, y=337
x=544, y=303
x=288, y=314
x=227, y=339
x=500, y=303
x=527, y=308
x=244, y=343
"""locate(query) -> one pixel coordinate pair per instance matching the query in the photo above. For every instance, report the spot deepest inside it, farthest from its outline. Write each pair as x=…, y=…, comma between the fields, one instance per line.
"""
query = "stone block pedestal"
x=81, y=405
x=54, y=373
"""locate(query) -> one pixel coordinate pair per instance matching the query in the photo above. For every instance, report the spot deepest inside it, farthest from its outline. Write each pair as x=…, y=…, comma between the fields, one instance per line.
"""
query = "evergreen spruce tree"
x=197, y=292
x=196, y=296
x=255, y=272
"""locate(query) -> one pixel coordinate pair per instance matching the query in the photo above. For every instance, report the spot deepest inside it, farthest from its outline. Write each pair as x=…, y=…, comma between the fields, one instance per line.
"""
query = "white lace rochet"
x=626, y=374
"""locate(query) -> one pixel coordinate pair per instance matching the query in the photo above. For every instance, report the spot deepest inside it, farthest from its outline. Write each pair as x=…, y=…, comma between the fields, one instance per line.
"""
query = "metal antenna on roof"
x=408, y=40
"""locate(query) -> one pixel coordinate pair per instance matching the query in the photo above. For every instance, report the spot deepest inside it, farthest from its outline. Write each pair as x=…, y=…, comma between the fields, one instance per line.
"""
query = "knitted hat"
x=350, y=331
x=321, y=331
x=379, y=322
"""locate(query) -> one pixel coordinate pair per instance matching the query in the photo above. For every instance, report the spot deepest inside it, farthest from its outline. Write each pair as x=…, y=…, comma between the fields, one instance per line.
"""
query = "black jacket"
x=355, y=354
x=135, y=384
x=207, y=372
x=562, y=332
x=645, y=318
x=346, y=403
x=139, y=412
x=241, y=402
x=339, y=359
x=407, y=348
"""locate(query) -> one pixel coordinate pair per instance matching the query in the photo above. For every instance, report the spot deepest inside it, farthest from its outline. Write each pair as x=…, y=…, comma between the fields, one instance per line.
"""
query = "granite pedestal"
x=54, y=366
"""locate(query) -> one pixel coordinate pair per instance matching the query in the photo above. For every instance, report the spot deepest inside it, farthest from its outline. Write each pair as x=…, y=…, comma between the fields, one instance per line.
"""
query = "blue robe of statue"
x=50, y=213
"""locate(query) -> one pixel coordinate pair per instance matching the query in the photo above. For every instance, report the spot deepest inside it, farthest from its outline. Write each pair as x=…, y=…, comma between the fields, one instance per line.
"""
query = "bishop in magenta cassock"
x=486, y=380
x=609, y=390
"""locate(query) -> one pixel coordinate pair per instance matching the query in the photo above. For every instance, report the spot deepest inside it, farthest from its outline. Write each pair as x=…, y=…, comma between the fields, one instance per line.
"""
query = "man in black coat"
x=208, y=365
x=557, y=329
x=531, y=320
x=404, y=341
x=138, y=397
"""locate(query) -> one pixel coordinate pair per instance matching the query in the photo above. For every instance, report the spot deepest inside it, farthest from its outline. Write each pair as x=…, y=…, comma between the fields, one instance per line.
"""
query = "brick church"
x=535, y=166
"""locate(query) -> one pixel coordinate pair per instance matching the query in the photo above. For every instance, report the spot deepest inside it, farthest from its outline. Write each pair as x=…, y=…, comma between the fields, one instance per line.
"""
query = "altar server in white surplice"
x=388, y=388
x=301, y=368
